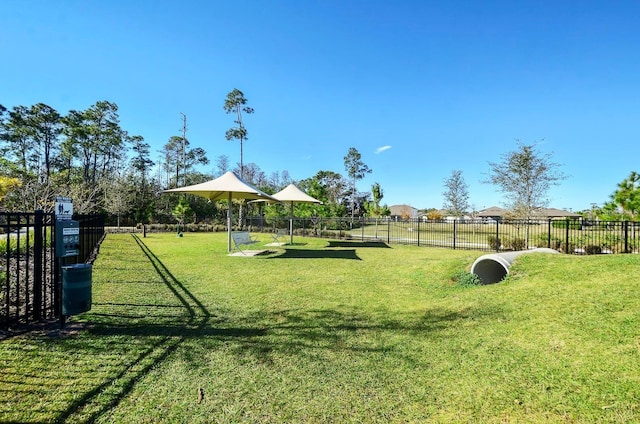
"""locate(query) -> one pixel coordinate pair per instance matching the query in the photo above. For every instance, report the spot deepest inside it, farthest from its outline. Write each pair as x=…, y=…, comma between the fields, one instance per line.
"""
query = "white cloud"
x=382, y=149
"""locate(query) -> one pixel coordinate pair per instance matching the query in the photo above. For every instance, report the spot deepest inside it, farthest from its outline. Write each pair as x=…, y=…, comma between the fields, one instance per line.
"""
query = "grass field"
x=332, y=331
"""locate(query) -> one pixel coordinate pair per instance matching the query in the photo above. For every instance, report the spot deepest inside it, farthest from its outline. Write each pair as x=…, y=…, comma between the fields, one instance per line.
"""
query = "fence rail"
x=29, y=270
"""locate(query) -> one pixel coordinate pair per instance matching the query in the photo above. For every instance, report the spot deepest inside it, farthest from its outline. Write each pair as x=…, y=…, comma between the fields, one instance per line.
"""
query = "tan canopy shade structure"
x=293, y=194
x=226, y=187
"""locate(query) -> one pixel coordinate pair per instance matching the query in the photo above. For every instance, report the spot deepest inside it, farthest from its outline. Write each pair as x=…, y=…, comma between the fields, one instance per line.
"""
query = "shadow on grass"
x=156, y=341
x=357, y=244
x=317, y=253
x=134, y=338
x=302, y=332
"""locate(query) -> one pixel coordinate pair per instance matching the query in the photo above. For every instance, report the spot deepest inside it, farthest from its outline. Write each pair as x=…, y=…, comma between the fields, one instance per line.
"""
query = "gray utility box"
x=67, y=238
x=76, y=289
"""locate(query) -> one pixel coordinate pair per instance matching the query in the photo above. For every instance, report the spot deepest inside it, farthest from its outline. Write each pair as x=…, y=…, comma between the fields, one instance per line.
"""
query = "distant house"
x=497, y=213
x=403, y=212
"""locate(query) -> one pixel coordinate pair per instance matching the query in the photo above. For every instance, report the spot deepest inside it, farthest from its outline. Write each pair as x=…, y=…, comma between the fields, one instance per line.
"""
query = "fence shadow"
x=160, y=340
x=357, y=244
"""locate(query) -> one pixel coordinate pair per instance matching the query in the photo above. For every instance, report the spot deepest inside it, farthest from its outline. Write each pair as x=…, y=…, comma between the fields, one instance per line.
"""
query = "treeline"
x=88, y=156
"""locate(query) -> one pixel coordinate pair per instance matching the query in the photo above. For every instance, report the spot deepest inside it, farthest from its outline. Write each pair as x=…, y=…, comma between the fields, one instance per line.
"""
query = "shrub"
x=494, y=242
x=567, y=247
x=466, y=279
x=592, y=249
x=518, y=243
x=544, y=241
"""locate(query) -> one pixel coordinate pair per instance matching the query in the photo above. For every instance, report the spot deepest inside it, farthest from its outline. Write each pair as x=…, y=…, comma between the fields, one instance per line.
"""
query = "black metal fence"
x=574, y=236
x=29, y=270
x=91, y=234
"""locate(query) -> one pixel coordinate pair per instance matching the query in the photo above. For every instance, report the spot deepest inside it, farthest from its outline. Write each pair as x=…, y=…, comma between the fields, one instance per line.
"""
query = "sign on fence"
x=64, y=208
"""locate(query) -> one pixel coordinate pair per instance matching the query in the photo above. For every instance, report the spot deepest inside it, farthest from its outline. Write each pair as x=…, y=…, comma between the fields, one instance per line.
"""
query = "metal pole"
x=38, y=247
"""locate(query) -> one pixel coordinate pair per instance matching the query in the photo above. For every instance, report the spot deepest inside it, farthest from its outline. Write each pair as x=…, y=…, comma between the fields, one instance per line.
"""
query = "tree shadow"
x=156, y=341
x=142, y=335
x=316, y=253
x=304, y=332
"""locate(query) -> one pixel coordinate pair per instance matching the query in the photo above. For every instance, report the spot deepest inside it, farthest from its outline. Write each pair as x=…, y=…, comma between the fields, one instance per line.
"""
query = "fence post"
x=566, y=236
x=626, y=236
x=498, y=241
x=388, y=231
x=455, y=229
x=419, y=231
x=38, y=250
x=549, y=234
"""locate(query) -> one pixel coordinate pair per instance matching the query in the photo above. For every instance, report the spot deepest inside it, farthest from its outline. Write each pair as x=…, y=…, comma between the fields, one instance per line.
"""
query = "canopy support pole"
x=229, y=220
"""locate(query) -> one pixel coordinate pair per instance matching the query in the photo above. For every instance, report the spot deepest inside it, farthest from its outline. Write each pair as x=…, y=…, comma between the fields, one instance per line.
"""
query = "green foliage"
x=517, y=243
x=466, y=279
x=545, y=241
x=12, y=247
x=494, y=242
x=573, y=224
x=356, y=170
x=456, y=194
x=525, y=177
x=592, y=249
x=627, y=196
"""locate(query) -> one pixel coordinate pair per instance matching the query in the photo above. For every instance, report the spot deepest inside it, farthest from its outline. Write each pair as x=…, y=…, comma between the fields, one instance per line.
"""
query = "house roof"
x=495, y=211
x=492, y=211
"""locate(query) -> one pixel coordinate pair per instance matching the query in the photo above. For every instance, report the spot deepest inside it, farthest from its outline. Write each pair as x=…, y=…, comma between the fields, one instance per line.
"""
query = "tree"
x=525, y=177
x=45, y=127
x=180, y=159
x=356, y=170
x=181, y=212
x=222, y=165
x=627, y=196
x=8, y=184
x=328, y=187
x=19, y=146
x=139, y=177
x=373, y=207
x=456, y=194
x=235, y=103
x=95, y=137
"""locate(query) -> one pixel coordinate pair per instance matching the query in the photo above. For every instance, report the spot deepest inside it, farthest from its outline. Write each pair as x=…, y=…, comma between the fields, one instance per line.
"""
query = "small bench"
x=242, y=238
x=279, y=233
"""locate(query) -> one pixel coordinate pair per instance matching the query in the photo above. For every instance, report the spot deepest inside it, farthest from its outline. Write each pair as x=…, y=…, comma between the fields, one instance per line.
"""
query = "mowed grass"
x=332, y=331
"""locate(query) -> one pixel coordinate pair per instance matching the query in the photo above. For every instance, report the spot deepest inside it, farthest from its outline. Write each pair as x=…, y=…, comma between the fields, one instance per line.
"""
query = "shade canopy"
x=226, y=187
x=220, y=188
x=293, y=194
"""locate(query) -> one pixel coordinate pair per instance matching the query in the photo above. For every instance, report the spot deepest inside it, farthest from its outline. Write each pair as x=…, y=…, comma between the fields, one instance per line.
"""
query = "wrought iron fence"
x=92, y=232
x=29, y=270
x=573, y=236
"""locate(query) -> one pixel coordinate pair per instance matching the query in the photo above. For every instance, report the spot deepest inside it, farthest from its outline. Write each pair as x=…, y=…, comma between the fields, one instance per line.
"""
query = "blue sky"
x=420, y=88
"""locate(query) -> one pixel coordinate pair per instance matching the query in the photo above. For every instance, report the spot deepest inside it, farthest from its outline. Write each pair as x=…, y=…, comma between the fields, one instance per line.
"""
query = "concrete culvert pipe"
x=494, y=267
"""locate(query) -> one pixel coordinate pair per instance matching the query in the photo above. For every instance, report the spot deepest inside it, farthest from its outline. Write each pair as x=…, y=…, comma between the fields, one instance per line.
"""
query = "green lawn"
x=332, y=331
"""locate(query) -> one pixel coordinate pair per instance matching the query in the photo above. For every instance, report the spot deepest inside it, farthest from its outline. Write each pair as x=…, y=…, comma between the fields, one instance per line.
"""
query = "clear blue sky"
x=420, y=88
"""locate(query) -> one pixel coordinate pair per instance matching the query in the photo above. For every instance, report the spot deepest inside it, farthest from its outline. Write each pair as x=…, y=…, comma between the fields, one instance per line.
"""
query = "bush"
x=567, y=247
x=592, y=249
x=518, y=243
x=494, y=242
x=466, y=279
x=544, y=241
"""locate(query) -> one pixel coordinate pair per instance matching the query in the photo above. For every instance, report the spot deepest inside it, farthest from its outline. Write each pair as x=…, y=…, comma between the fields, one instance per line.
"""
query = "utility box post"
x=75, y=279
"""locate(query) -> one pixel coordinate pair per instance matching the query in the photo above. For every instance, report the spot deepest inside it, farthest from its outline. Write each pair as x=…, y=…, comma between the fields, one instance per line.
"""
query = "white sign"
x=63, y=208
